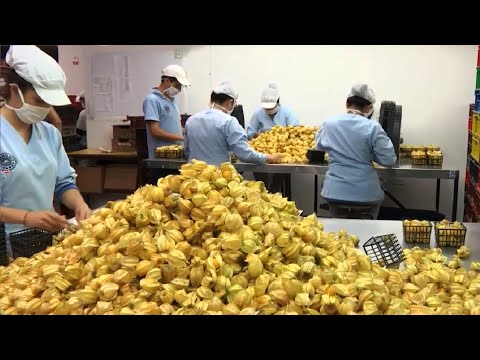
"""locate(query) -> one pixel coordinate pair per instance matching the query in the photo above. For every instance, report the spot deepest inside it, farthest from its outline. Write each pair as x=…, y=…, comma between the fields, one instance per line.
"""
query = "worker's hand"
x=179, y=138
x=46, y=220
x=274, y=159
x=257, y=134
x=82, y=212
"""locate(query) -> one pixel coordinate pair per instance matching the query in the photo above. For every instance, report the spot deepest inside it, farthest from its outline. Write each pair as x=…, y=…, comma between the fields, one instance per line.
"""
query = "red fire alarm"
x=76, y=60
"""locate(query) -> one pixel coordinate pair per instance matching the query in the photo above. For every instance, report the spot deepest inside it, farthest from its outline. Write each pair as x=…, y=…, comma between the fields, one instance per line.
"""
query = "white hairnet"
x=40, y=70
x=227, y=89
x=363, y=91
x=270, y=96
x=177, y=72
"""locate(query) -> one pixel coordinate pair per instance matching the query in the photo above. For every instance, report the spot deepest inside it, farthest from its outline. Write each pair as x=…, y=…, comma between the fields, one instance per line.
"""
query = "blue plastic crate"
x=477, y=100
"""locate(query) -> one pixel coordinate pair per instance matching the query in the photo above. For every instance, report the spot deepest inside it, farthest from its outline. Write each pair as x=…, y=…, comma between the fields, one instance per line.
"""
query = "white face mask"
x=272, y=111
x=171, y=91
x=369, y=113
x=229, y=112
x=29, y=114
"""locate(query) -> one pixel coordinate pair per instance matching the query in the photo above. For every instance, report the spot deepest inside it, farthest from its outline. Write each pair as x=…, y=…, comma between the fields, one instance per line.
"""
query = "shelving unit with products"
x=472, y=176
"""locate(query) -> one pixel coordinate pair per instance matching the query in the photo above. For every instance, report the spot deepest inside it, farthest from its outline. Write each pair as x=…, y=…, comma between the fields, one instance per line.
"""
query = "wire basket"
x=384, y=250
x=169, y=153
x=406, y=151
x=436, y=160
x=419, y=159
x=450, y=237
x=414, y=234
x=28, y=242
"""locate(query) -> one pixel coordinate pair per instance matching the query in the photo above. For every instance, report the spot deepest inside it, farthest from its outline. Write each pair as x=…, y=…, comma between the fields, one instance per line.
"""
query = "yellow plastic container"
x=475, y=152
x=476, y=123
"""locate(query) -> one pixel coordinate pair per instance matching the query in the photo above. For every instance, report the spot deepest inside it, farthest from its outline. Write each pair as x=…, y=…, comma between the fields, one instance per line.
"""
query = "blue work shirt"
x=32, y=174
x=211, y=135
x=157, y=107
x=352, y=143
x=261, y=121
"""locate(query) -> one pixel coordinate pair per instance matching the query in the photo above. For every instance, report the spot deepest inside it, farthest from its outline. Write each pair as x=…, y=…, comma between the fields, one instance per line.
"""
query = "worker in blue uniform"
x=212, y=134
x=271, y=114
x=162, y=116
x=352, y=187
x=34, y=167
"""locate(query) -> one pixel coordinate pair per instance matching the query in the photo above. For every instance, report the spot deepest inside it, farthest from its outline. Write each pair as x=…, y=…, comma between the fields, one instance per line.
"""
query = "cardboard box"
x=90, y=179
x=121, y=177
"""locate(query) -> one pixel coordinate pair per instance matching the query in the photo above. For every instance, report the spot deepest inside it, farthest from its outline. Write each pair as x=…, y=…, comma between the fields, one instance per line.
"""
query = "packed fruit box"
x=169, y=152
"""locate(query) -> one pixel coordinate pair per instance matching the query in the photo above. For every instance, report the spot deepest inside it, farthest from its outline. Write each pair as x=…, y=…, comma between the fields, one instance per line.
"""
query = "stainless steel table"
x=405, y=170
x=365, y=229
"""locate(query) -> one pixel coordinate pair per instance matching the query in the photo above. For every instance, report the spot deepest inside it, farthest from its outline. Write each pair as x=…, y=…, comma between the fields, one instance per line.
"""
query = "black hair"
x=219, y=98
x=357, y=102
x=14, y=78
x=172, y=79
x=3, y=51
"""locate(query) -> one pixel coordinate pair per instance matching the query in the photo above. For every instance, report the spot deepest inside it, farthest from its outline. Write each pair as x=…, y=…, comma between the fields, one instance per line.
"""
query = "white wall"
x=197, y=63
x=76, y=74
x=434, y=84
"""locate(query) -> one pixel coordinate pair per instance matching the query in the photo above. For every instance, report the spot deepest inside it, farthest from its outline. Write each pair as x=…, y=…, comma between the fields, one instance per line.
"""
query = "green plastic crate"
x=478, y=78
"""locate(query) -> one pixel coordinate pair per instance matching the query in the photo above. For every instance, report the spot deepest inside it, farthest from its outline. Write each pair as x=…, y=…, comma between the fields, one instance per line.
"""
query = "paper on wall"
x=122, y=75
x=102, y=93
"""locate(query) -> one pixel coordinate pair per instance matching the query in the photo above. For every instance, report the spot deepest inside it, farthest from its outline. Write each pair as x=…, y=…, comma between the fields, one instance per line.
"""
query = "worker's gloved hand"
x=46, y=220
x=274, y=159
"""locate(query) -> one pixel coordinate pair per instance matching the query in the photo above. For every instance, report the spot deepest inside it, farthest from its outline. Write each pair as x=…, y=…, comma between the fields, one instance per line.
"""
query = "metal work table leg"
x=288, y=186
x=455, y=199
x=437, y=198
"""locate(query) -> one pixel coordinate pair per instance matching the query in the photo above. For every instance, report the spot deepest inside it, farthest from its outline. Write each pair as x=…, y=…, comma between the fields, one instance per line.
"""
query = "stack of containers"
x=472, y=187
x=477, y=84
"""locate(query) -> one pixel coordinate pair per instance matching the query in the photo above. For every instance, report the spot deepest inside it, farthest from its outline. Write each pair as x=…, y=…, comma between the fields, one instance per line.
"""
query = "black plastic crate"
x=395, y=135
x=450, y=237
x=417, y=234
x=3, y=247
x=3, y=261
x=3, y=256
x=384, y=250
x=28, y=242
x=316, y=156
